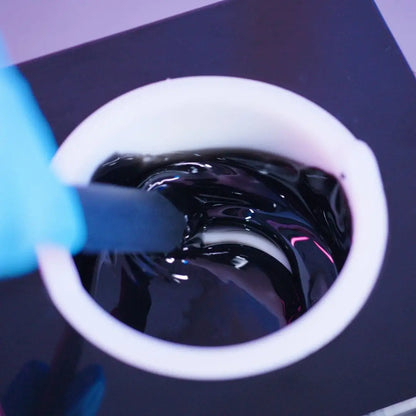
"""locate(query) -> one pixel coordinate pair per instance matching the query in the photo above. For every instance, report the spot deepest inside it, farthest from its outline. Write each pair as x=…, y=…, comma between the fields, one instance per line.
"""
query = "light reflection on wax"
x=295, y=240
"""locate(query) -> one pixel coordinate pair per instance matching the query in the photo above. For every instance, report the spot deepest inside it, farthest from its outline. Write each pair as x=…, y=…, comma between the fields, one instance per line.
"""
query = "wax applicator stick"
x=129, y=220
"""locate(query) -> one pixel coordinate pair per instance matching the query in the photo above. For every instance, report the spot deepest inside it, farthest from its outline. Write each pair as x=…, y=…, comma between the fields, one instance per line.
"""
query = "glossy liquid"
x=265, y=239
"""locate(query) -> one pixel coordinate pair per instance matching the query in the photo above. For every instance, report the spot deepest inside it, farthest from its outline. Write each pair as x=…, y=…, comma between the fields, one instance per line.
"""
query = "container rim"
x=224, y=112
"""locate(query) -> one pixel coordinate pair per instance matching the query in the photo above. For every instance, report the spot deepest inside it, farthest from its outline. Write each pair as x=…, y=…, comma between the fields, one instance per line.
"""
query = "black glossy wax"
x=227, y=292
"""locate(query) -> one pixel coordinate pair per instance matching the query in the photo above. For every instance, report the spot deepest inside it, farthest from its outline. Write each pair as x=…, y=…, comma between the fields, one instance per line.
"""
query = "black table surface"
x=340, y=55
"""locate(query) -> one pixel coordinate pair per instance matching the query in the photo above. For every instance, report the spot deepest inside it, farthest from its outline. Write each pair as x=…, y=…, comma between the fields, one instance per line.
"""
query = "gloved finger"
x=20, y=115
x=35, y=207
x=86, y=392
x=23, y=395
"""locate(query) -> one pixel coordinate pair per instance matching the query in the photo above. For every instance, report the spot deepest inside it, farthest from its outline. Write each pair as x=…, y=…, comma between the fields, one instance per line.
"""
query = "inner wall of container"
x=166, y=117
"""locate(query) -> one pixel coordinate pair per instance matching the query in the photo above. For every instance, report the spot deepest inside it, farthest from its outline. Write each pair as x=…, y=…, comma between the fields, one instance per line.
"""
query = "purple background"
x=36, y=28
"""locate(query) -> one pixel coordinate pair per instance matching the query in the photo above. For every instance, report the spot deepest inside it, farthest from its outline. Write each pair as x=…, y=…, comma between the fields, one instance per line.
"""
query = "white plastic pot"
x=221, y=112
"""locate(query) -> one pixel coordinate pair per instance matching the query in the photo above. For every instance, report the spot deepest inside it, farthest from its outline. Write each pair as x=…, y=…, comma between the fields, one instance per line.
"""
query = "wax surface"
x=264, y=241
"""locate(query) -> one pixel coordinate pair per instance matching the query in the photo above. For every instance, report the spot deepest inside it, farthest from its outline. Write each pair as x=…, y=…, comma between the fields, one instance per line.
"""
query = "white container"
x=221, y=112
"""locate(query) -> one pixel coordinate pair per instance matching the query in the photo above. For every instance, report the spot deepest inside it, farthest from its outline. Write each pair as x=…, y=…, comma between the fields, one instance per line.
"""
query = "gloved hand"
x=35, y=207
x=26, y=394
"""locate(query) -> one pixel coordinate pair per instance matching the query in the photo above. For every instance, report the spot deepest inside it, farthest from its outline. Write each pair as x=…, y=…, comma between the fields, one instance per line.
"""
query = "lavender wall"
x=34, y=28
x=400, y=16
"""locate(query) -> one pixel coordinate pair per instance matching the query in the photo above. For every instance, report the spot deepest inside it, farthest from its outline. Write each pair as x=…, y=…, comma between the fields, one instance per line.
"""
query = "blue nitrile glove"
x=35, y=207
x=26, y=394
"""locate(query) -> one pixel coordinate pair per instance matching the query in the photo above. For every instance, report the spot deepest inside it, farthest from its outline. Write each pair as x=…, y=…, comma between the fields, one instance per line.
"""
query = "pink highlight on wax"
x=295, y=240
x=325, y=252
